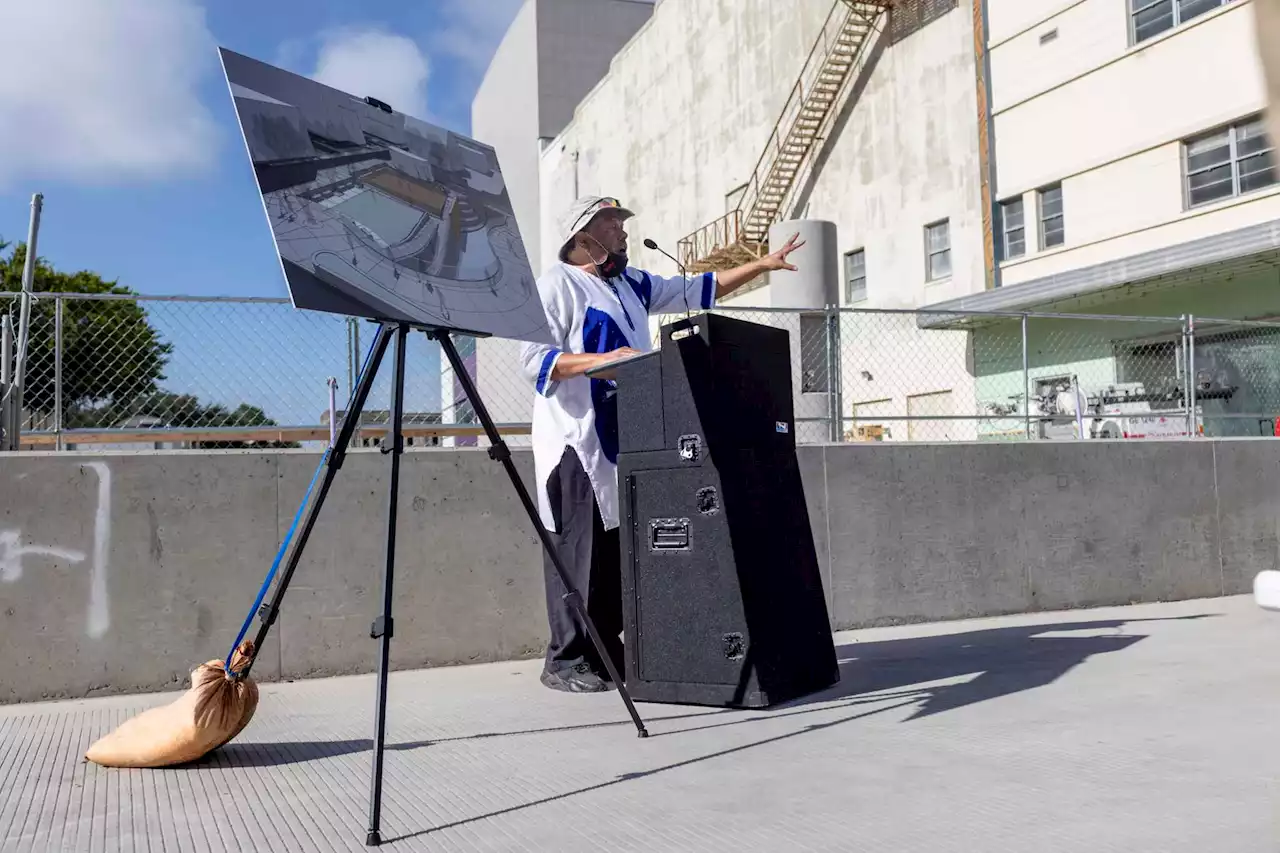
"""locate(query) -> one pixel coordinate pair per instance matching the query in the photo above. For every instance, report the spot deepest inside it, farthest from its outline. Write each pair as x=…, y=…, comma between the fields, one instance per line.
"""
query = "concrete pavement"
x=1147, y=728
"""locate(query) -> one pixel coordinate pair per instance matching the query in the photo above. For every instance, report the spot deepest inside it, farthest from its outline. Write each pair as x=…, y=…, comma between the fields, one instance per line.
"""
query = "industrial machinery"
x=1064, y=409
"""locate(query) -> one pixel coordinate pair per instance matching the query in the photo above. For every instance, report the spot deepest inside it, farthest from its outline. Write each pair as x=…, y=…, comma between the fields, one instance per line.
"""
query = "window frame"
x=1041, y=219
x=1178, y=20
x=1020, y=201
x=1232, y=131
x=848, y=281
x=929, y=253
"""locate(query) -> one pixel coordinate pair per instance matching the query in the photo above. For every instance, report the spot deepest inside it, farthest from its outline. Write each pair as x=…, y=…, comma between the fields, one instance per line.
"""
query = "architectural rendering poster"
x=381, y=215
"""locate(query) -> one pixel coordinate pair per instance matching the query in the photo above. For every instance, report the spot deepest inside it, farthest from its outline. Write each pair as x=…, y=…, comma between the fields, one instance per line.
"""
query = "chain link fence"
x=132, y=372
x=106, y=371
x=903, y=375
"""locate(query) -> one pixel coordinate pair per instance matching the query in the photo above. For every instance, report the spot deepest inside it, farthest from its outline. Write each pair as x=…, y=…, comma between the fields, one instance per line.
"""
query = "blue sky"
x=169, y=205
x=132, y=139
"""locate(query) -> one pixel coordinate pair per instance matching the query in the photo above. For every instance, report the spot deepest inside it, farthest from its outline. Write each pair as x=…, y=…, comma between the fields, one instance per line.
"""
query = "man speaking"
x=597, y=308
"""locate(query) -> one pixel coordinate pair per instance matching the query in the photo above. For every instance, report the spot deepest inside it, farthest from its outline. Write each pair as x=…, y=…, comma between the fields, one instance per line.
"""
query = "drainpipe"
x=986, y=143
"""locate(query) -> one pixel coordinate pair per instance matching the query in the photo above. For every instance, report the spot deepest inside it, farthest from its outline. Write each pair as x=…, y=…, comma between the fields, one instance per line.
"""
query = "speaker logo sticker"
x=782, y=426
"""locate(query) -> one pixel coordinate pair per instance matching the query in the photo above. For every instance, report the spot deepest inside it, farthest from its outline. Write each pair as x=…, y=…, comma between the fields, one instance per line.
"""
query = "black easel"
x=383, y=626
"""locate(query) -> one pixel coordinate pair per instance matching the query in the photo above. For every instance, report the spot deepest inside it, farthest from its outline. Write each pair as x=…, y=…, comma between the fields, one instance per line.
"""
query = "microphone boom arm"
x=650, y=244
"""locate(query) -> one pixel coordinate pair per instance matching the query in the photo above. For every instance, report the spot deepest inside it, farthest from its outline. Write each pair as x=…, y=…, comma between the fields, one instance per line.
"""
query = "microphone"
x=649, y=244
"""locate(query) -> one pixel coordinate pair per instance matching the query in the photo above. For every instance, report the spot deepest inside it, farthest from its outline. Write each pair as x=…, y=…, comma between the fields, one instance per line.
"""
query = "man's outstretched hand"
x=778, y=260
x=730, y=280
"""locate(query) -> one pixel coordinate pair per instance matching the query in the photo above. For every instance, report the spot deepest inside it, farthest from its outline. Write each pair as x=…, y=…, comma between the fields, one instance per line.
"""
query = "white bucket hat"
x=577, y=215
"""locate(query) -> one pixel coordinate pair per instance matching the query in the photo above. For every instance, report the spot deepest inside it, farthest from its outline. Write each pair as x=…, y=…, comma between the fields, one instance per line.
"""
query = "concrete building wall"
x=505, y=114
x=908, y=157
x=554, y=52
x=120, y=573
x=1078, y=104
x=681, y=119
x=577, y=41
x=902, y=155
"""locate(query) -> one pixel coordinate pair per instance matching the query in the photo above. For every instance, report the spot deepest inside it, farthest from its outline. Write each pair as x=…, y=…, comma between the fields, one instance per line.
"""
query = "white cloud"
x=99, y=92
x=370, y=61
x=471, y=31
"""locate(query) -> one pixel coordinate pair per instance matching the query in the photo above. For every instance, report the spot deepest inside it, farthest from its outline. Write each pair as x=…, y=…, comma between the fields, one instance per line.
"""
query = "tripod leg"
x=336, y=457
x=382, y=626
x=502, y=453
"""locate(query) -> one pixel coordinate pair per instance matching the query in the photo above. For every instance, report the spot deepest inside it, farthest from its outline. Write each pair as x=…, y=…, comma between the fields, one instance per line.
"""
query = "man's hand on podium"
x=577, y=364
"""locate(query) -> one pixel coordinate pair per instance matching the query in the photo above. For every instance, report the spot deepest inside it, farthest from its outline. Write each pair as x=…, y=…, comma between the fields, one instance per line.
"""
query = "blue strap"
x=284, y=546
x=275, y=566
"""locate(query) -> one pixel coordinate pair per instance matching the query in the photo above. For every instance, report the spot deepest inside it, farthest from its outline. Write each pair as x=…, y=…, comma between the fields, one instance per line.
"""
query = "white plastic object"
x=1266, y=590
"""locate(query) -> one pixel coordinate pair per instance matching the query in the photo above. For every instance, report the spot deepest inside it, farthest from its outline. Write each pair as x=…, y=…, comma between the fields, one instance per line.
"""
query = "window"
x=1052, y=224
x=813, y=354
x=1013, y=231
x=1233, y=161
x=938, y=249
x=855, y=275
x=1149, y=18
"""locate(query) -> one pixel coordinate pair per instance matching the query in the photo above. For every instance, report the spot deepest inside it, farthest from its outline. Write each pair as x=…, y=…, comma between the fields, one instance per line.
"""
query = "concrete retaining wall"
x=121, y=572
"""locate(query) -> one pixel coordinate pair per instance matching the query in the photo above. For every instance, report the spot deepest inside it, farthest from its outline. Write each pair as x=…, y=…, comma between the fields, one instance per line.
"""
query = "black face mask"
x=614, y=264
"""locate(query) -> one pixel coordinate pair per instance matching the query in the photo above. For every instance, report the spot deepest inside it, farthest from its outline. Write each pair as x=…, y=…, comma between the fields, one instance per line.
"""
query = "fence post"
x=333, y=411
x=1191, y=376
x=1026, y=379
x=352, y=355
x=6, y=381
x=57, y=372
x=1184, y=373
x=24, y=323
x=835, y=374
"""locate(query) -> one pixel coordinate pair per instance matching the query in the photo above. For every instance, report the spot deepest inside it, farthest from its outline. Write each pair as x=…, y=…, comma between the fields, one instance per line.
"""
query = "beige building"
x=1095, y=155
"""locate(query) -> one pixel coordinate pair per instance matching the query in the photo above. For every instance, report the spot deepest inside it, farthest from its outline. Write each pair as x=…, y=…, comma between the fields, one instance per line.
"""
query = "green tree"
x=109, y=350
x=113, y=359
x=185, y=411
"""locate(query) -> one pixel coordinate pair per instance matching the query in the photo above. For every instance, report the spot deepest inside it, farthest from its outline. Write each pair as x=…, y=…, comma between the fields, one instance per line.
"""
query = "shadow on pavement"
x=1000, y=661
x=235, y=755
x=628, y=777
x=993, y=662
x=886, y=673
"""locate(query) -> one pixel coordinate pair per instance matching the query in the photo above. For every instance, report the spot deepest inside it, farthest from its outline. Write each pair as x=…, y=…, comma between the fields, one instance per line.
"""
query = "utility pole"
x=24, y=325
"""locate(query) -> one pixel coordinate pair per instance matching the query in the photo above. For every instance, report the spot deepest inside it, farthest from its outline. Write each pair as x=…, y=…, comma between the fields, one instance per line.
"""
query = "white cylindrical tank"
x=804, y=294
x=816, y=283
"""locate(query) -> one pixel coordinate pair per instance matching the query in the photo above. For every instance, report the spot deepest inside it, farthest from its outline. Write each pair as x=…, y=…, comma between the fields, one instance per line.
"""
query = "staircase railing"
x=806, y=114
x=696, y=249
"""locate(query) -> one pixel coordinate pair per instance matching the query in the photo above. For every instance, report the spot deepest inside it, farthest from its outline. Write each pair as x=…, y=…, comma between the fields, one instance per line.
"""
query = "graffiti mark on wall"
x=13, y=552
x=99, y=604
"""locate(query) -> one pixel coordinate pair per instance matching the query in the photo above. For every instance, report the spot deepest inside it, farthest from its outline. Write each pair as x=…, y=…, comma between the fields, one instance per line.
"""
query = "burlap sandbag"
x=210, y=714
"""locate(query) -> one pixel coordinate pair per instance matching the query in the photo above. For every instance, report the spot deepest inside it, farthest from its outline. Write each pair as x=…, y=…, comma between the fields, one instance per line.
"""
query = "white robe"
x=588, y=314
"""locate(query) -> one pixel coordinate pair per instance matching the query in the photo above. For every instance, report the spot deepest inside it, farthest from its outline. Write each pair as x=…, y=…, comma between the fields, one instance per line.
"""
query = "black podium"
x=722, y=597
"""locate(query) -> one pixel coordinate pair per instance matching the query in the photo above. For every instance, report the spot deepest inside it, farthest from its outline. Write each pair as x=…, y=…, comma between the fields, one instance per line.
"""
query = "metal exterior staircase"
x=743, y=234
